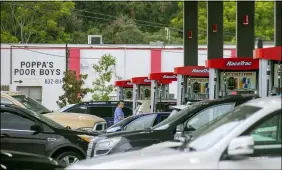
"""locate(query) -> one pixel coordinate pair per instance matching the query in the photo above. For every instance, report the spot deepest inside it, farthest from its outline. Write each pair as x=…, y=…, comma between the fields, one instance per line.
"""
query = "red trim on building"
x=195, y=71
x=233, y=63
x=233, y=53
x=156, y=60
x=271, y=53
x=100, y=48
x=163, y=76
x=74, y=60
x=124, y=83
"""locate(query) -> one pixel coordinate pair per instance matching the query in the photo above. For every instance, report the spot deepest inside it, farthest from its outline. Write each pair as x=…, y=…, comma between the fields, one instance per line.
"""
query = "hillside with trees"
x=118, y=22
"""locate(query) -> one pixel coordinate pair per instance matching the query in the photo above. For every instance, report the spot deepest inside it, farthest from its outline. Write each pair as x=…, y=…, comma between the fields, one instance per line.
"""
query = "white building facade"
x=37, y=69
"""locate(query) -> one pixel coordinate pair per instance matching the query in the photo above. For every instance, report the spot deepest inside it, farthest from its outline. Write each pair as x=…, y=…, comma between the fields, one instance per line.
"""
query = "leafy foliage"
x=35, y=22
x=264, y=22
x=73, y=89
x=118, y=22
x=102, y=87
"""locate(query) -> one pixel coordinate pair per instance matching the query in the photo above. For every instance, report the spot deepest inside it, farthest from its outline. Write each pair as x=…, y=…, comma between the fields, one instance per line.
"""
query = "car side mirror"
x=241, y=147
x=189, y=128
x=180, y=128
x=36, y=128
x=179, y=132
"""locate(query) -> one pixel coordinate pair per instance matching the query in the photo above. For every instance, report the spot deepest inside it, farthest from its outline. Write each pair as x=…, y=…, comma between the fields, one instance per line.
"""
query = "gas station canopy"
x=239, y=64
x=124, y=84
x=195, y=71
x=271, y=53
x=141, y=81
x=163, y=77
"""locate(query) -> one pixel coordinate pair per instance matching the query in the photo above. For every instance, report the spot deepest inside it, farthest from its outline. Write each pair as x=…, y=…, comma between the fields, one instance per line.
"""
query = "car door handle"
x=4, y=135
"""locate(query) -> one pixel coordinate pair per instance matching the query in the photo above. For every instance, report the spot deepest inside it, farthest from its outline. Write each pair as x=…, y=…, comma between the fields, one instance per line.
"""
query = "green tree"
x=264, y=26
x=122, y=31
x=35, y=22
x=73, y=88
x=102, y=87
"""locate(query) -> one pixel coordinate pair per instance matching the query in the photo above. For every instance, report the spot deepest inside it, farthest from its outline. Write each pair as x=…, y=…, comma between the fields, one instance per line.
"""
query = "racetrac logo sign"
x=200, y=70
x=238, y=63
x=129, y=84
x=169, y=77
x=147, y=81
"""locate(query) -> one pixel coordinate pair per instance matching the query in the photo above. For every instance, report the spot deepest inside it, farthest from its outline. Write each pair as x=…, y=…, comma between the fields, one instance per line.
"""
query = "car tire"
x=69, y=157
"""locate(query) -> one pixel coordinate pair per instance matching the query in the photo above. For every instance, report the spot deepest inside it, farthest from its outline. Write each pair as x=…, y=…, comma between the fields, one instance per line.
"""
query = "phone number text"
x=53, y=81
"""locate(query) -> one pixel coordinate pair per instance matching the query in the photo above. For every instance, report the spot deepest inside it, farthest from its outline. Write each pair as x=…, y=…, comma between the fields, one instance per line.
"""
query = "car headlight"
x=104, y=146
x=86, y=138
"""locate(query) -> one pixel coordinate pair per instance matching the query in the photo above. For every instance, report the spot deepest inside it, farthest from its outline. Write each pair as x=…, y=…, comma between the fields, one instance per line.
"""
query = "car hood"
x=74, y=120
x=161, y=146
x=15, y=156
x=124, y=133
x=166, y=158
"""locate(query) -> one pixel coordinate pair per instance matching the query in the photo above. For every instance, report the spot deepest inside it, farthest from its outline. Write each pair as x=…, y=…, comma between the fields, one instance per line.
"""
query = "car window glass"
x=209, y=114
x=13, y=121
x=163, y=117
x=141, y=123
x=101, y=111
x=80, y=109
x=99, y=127
x=268, y=132
x=127, y=111
x=5, y=101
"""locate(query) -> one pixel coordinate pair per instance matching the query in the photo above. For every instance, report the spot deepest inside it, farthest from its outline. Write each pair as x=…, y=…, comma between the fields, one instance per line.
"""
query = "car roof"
x=273, y=102
x=231, y=98
x=3, y=105
x=104, y=103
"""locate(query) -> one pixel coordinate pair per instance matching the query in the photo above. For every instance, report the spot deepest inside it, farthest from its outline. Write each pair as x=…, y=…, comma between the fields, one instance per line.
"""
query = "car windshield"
x=175, y=116
x=65, y=108
x=121, y=123
x=31, y=104
x=45, y=119
x=221, y=126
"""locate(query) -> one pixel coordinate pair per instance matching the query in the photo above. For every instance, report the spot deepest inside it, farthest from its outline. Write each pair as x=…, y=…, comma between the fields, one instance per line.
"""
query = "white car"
x=229, y=142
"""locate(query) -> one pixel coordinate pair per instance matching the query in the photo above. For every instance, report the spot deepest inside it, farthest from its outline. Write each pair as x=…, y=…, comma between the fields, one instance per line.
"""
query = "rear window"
x=101, y=111
x=78, y=109
x=127, y=111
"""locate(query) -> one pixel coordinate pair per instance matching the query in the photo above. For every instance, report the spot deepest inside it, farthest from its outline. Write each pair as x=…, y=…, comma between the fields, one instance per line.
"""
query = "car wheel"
x=69, y=157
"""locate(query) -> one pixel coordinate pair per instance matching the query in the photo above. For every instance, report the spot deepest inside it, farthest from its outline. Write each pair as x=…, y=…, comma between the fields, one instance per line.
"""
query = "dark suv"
x=27, y=131
x=103, y=109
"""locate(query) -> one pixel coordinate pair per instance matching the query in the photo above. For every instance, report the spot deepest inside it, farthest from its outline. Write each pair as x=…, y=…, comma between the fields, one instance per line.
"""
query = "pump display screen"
x=199, y=88
x=275, y=75
x=127, y=93
x=238, y=81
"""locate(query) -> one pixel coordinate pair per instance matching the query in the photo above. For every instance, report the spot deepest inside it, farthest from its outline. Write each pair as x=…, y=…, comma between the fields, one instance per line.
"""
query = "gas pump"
x=197, y=83
x=141, y=89
x=160, y=87
x=229, y=76
x=269, y=69
x=124, y=89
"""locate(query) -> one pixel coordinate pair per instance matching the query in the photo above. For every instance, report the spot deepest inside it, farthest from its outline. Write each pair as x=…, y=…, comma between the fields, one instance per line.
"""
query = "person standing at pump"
x=119, y=115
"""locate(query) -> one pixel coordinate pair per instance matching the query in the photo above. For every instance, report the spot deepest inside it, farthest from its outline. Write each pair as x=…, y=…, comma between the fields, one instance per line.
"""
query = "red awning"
x=124, y=83
x=271, y=53
x=163, y=76
x=141, y=80
x=233, y=64
x=195, y=71
x=147, y=81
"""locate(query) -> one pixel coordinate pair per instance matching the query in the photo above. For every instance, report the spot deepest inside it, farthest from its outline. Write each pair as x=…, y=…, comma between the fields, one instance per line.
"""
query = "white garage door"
x=34, y=92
